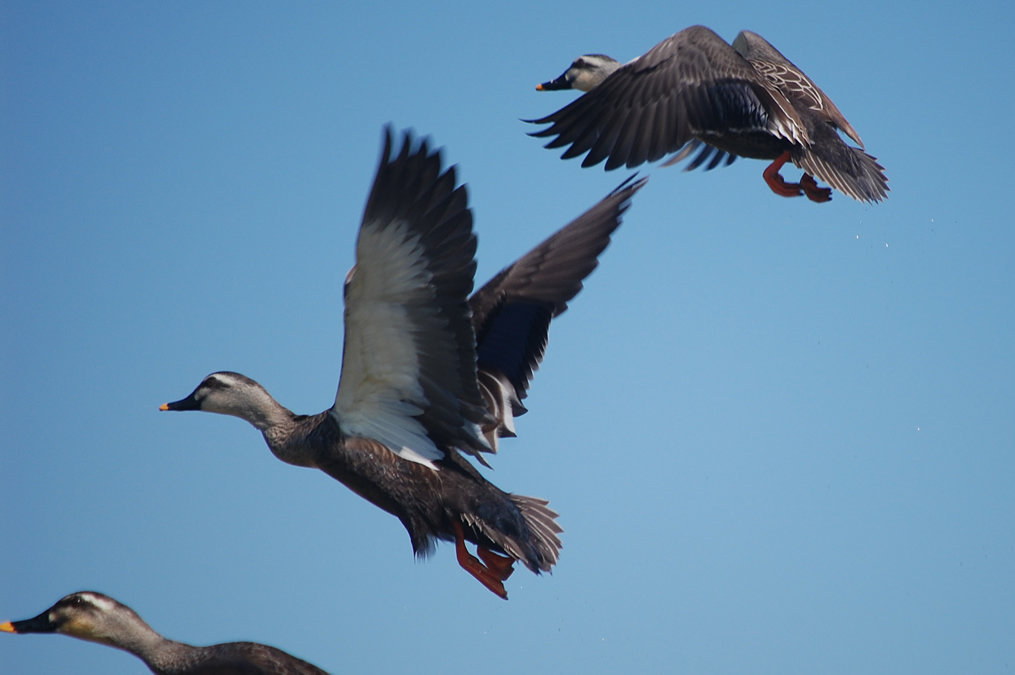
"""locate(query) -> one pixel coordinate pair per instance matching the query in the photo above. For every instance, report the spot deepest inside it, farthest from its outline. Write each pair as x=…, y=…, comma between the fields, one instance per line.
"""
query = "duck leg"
x=492, y=579
x=776, y=182
x=813, y=192
x=501, y=565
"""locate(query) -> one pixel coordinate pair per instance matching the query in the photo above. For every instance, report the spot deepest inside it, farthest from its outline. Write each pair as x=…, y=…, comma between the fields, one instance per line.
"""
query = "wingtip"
x=632, y=183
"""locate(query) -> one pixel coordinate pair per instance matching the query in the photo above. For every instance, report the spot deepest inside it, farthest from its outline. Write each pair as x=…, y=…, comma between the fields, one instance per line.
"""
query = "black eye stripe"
x=75, y=601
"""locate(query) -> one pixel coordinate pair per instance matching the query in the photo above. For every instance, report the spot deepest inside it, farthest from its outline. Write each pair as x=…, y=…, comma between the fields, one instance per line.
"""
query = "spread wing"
x=686, y=86
x=790, y=80
x=409, y=363
x=511, y=314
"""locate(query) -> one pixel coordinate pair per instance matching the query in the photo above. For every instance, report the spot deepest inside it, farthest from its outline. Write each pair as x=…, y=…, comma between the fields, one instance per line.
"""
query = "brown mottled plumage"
x=427, y=372
x=693, y=90
x=99, y=618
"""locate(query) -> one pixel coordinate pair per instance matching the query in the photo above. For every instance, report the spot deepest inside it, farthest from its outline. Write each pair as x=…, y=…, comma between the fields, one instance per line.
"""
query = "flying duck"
x=693, y=90
x=428, y=373
x=99, y=618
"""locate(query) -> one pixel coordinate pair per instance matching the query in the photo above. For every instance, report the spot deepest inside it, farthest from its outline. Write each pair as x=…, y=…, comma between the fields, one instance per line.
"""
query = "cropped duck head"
x=85, y=615
x=430, y=373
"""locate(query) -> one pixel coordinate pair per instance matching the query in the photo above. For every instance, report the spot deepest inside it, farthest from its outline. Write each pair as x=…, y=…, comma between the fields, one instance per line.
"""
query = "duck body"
x=95, y=617
x=427, y=500
x=693, y=92
x=430, y=373
x=431, y=504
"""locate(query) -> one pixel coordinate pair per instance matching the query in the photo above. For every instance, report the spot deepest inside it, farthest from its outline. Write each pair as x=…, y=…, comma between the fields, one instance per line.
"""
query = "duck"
x=430, y=374
x=92, y=616
x=694, y=92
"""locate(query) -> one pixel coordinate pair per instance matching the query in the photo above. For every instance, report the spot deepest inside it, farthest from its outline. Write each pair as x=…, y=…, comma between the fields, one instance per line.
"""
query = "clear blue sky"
x=780, y=435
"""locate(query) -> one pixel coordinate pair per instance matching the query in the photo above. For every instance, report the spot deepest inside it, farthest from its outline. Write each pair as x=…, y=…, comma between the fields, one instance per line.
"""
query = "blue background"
x=780, y=435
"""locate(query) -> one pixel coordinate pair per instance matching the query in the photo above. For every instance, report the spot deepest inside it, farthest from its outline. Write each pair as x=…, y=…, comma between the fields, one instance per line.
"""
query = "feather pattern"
x=409, y=366
x=792, y=81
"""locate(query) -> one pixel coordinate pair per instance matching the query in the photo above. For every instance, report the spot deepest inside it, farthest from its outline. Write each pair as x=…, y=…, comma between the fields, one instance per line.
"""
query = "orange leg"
x=813, y=192
x=500, y=565
x=776, y=182
x=491, y=579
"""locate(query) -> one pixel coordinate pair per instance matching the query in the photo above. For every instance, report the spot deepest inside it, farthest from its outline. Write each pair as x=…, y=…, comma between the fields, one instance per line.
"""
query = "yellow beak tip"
x=7, y=627
x=164, y=406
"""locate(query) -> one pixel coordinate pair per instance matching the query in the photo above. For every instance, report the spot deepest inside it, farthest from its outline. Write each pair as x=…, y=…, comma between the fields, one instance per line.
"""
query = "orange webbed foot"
x=813, y=192
x=777, y=183
x=491, y=578
x=500, y=565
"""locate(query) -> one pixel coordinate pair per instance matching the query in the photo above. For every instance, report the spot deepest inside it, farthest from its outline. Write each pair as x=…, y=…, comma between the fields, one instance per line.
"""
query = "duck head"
x=585, y=73
x=85, y=615
x=228, y=393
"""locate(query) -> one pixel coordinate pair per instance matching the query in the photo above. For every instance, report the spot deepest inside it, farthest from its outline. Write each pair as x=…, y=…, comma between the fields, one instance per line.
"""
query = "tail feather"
x=532, y=539
x=847, y=169
x=543, y=527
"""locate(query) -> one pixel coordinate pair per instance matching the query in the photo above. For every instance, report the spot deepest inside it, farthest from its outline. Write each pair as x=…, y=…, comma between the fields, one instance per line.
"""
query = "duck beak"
x=189, y=403
x=553, y=85
x=40, y=624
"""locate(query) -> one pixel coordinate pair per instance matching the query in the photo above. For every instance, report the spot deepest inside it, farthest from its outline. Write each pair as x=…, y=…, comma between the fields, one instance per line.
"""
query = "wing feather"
x=787, y=78
x=511, y=314
x=409, y=366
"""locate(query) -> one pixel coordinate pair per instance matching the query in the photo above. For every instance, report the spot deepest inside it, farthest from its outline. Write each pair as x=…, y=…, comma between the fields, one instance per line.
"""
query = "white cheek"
x=581, y=81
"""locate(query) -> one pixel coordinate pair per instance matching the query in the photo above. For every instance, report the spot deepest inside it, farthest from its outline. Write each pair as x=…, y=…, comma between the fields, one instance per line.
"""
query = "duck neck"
x=169, y=658
x=139, y=639
x=263, y=411
x=291, y=439
x=282, y=429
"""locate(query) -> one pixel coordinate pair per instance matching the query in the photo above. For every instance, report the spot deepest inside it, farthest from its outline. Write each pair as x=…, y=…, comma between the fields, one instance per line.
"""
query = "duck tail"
x=848, y=169
x=543, y=546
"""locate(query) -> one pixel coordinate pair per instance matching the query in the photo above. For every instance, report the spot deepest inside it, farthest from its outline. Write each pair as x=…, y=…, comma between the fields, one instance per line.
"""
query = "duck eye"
x=213, y=383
